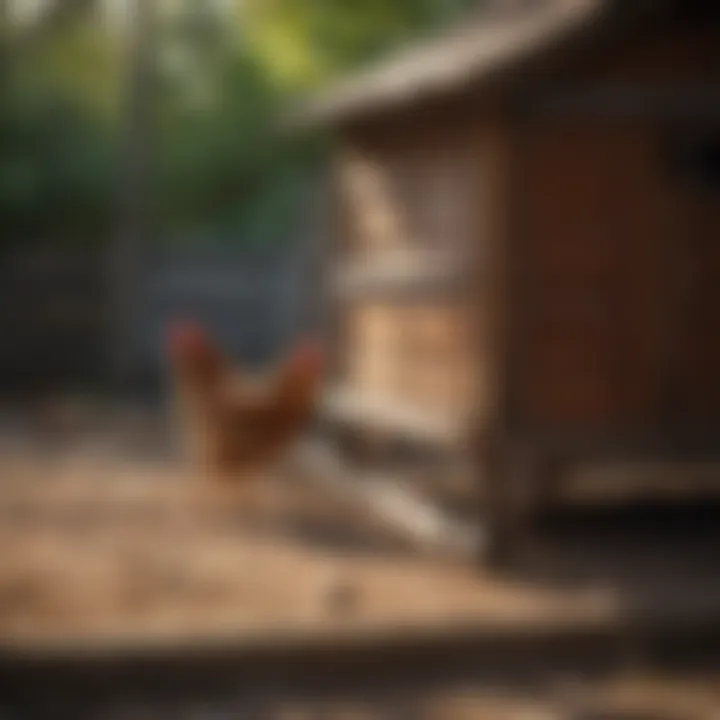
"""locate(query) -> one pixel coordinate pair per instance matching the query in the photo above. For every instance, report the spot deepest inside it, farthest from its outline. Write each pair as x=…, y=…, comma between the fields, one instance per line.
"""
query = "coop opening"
x=696, y=160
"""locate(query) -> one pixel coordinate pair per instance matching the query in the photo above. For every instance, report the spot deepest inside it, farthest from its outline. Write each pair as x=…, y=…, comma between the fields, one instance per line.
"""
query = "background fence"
x=55, y=319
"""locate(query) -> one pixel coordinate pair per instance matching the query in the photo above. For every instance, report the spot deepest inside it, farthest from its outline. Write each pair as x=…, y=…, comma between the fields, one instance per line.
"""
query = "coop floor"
x=98, y=542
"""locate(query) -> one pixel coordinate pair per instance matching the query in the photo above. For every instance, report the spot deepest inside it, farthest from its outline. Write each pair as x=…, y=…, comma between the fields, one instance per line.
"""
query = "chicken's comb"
x=309, y=356
x=186, y=337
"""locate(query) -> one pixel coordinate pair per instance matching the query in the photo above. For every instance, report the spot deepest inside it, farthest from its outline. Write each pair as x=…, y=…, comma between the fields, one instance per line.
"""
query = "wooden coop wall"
x=411, y=199
x=617, y=251
x=417, y=354
x=407, y=188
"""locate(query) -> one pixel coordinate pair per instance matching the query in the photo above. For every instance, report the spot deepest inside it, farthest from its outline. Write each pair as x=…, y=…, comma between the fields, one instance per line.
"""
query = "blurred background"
x=164, y=159
x=144, y=174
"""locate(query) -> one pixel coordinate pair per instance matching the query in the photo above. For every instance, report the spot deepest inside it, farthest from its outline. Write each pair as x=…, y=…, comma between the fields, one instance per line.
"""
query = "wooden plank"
x=349, y=406
x=399, y=273
x=406, y=187
x=693, y=443
x=411, y=352
x=595, y=277
x=489, y=267
x=627, y=103
x=409, y=196
x=636, y=355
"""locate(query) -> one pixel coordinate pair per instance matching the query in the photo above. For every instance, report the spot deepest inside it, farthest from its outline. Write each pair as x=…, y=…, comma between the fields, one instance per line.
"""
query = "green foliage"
x=304, y=43
x=223, y=161
x=55, y=158
x=83, y=64
x=220, y=165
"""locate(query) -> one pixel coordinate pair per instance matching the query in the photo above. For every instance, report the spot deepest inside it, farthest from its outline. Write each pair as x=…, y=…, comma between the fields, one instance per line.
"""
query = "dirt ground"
x=639, y=699
x=100, y=536
x=106, y=535
x=104, y=532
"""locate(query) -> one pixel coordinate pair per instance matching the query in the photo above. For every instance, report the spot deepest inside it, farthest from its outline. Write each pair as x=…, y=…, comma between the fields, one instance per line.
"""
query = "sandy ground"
x=102, y=538
x=89, y=548
x=103, y=532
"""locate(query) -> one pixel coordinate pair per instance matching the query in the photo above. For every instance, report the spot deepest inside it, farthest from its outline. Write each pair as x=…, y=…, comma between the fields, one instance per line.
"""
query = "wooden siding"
x=617, y=257
x=594, y=278
x=408, y=191
x=415, y=192
x=417, y=354
x=575, y=220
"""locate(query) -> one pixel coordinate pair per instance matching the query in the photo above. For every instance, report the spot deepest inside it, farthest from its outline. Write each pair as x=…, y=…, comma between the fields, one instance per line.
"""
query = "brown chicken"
x=238, y=424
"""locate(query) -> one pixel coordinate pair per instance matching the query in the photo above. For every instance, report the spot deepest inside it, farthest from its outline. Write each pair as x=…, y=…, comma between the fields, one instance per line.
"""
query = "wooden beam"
x=399, y=273
x=626, y=102
x=663, y=443
x=349, y=406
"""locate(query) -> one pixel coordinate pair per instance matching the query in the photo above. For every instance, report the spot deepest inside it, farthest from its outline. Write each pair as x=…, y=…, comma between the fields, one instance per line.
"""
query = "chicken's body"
x=239, y=425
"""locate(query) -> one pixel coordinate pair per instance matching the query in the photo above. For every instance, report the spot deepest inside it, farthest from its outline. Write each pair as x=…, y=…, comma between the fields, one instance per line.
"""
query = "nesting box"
x=524, y=261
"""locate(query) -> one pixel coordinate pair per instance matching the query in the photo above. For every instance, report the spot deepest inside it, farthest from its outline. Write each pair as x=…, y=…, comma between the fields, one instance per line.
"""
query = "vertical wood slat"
x=598, y=272
x=696, y=379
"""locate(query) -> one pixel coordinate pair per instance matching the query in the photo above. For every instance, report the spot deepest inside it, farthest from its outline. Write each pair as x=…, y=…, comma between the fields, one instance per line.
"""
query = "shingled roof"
x=473, y=54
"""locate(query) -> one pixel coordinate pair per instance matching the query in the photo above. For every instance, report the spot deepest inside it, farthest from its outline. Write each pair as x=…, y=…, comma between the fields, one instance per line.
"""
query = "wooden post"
x=134, y=191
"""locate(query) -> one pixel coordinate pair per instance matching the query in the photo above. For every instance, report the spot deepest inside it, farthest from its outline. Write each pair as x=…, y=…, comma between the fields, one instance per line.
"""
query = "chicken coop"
x=523, y=262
